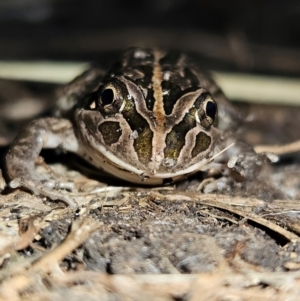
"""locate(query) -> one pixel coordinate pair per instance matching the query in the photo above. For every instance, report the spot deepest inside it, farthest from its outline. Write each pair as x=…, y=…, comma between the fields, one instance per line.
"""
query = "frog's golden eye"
x=207, y=113
x=111, y=98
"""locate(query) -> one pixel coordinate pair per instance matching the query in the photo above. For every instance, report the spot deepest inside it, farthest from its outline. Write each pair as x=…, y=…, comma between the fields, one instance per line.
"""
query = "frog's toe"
x=52, y=184
x=218, y=185
x=47, y=189
x=246, y=166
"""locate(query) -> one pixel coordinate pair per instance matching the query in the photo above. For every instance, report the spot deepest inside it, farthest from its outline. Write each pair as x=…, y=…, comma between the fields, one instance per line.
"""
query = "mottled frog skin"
x=153, y=118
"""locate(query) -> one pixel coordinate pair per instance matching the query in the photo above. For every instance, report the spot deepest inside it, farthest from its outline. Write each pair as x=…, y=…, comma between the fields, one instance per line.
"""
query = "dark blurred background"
x=260, y=36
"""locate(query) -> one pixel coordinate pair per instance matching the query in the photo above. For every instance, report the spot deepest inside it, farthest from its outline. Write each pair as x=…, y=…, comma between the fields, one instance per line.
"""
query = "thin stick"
x=279, y=149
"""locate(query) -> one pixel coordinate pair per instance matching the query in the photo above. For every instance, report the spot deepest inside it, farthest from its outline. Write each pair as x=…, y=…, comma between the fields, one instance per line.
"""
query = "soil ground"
x=163, y=243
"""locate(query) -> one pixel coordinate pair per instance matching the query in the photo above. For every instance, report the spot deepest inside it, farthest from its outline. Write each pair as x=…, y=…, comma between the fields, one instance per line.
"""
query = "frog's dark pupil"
x=211, y=109
x=107, y=97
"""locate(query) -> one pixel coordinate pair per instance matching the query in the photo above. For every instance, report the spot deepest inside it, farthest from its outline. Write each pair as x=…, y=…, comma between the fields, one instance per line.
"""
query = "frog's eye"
x=207, y=113
x=111, y=98
x=211, y=109
x=107, y=97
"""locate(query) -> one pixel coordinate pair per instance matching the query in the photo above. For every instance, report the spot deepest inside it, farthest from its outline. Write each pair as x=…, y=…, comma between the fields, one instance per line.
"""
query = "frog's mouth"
x=103, y=159
x=113, y=165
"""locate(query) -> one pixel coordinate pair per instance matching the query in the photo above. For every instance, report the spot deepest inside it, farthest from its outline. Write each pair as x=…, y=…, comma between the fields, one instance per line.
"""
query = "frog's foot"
x=219, y=185
x=47, y=188
x=247, y=166
x=241, y=167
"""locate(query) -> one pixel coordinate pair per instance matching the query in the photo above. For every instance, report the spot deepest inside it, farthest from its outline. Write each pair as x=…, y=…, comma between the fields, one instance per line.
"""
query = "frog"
x=152, y=118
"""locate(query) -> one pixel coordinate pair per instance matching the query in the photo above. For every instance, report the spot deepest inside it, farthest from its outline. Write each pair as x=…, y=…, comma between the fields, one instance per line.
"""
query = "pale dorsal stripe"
x=157, y=78
x=159, y=142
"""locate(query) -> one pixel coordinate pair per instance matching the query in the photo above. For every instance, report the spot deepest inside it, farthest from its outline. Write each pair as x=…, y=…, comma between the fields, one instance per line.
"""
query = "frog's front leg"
x=241, y=159
x=238, y=162
x=244, y=161
x=21, y=158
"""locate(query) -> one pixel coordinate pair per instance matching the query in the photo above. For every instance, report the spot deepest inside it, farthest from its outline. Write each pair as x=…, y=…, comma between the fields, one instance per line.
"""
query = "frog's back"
x=180, y=75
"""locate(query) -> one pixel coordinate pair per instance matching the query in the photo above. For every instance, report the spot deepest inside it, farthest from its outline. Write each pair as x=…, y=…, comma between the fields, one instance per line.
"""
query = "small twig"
x=213, y=201
x=81, y=229
x=279, y=149
x=220, y=217
x=25, y=238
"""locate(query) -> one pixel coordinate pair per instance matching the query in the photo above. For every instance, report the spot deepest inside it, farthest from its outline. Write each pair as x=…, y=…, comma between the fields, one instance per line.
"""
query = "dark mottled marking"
x=143, y=143
x=146, y=83
x=191, y=77
x=130, y=61
x=200, y=99
x=150, y=100
x=133, y=60
x=138, y=69
x=202, y=144
x=171, y=58
x=111, y=131
x=175, y=140
x=115, y=69
x=173, y=93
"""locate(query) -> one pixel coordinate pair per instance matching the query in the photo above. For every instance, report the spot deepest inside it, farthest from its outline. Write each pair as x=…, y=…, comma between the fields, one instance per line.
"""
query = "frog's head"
x=148, y=121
